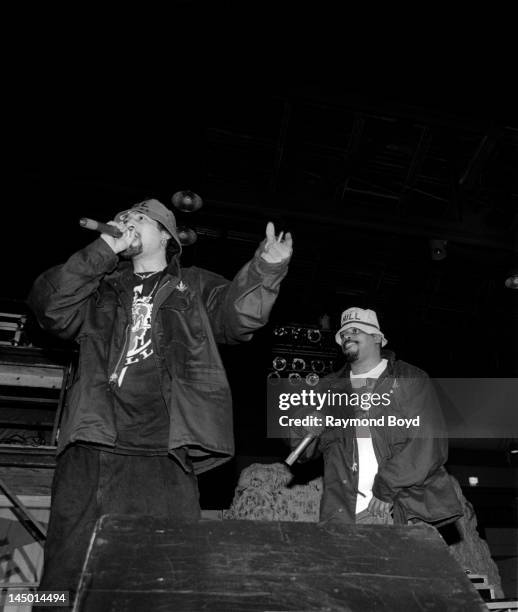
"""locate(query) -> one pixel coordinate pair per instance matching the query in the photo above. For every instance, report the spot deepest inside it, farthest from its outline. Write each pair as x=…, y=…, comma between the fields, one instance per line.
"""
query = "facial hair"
x=351, y=355
x=132, y=250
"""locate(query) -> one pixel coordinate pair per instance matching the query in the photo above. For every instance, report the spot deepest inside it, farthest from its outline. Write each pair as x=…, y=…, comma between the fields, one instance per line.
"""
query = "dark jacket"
x=193, y=310
x=411, y=472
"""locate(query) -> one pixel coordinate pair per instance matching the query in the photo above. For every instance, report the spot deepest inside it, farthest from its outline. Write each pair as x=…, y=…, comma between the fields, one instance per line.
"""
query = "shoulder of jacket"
x=409, y=380
x=195, y=272
x=335, y=378
x=202, y=277
x=402, y=368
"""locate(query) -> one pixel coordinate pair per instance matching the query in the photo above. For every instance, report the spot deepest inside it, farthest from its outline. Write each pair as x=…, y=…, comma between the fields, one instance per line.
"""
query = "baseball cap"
x=366, y=320
x=157, y=211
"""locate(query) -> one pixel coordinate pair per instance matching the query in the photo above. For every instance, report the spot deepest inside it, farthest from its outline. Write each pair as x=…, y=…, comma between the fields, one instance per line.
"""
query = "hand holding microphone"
x=312, y=430
x=117, y=235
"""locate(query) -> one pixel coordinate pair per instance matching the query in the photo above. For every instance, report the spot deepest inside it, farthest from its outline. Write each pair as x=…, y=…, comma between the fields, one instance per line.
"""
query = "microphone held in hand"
x=312, y=427
x=290, y=460
x=102, y=228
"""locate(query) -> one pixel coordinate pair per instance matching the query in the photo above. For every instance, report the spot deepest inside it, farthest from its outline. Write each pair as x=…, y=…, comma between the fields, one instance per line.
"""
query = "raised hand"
x=277, y=248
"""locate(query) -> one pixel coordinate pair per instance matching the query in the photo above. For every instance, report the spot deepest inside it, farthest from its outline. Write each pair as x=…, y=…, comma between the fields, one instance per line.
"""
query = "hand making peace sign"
x=277, y=248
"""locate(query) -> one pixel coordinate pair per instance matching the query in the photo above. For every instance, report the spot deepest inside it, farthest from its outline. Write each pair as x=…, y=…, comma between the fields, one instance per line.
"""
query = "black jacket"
x=193, y=311
x=411, y=472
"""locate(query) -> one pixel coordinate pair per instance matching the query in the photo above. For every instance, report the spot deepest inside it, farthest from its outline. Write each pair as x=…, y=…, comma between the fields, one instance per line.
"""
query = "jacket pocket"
x=180, y=321
x=102, y=317
x=178, y=301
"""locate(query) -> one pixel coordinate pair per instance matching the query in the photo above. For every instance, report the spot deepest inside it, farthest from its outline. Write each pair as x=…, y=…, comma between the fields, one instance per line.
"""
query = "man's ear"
x=377, y=339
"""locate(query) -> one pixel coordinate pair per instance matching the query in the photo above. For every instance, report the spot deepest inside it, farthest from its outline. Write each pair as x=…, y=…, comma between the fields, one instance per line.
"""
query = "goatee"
x=131, y=251
x=351, y=357
x=351, y=353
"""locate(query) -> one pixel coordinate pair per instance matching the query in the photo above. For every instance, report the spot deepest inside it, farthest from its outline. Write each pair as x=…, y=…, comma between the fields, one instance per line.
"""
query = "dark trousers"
x=89, y=483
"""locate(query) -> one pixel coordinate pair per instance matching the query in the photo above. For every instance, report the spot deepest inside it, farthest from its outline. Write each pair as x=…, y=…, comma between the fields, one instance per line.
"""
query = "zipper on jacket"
x=114, y=376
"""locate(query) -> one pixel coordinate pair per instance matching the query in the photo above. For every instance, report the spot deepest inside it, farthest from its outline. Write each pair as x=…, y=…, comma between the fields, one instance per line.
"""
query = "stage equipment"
x=12, y=329
x=282, y=332
x=143, y=563
x=187, y=201
x=304, y=351
x=294, y=378
x=298, y=364
x=511, y=282
x=274, y=378
x=438, y=249
x=186, y=236
x=279, y=363
x=312, y=379
x=317, y=365
x=314, y=335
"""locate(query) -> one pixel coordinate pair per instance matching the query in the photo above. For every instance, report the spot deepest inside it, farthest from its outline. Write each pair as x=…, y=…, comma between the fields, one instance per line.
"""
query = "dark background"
x=364, y=164
x=365, y=134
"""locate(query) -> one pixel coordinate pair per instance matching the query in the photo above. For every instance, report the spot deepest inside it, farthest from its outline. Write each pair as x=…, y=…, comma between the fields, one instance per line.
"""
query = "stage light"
x=438, y=249
x=274, y=378
x=314, y=335
x=187, y=236
x=317, y=365
x=312, y=379
x=294, y=378
x=187, y=201
x=297, y=333
x=281, y=332
x=279, y=363
x=298, y=364
x=511, y=281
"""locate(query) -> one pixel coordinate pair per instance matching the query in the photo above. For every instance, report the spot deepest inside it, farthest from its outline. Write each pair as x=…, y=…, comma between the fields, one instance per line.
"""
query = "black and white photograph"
x=258, y=338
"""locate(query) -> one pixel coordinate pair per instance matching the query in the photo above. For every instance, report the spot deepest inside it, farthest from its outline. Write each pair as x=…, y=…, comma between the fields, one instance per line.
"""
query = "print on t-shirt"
x=140, y=335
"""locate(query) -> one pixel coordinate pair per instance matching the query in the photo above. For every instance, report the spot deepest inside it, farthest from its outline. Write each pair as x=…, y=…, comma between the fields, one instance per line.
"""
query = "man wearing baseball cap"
x=150, y=406
x=377, y=473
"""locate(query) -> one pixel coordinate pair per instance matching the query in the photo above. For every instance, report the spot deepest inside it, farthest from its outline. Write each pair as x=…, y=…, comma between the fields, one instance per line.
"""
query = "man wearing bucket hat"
x=374, y=472
x=150, y=405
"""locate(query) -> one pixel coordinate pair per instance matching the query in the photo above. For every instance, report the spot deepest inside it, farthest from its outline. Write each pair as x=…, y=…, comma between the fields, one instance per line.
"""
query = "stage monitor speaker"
x=141, y=563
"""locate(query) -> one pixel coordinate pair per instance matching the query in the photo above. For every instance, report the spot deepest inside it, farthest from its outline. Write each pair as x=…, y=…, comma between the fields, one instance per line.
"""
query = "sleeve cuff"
x=382, y=491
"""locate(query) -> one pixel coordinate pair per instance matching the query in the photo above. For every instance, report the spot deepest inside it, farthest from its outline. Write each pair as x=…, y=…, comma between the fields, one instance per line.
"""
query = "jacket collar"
x=342, y=376
x=390, y=356
x=123, y=274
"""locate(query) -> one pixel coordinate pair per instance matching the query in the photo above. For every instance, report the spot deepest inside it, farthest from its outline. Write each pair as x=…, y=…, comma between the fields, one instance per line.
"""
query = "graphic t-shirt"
x=367, y=462
x=141, y=414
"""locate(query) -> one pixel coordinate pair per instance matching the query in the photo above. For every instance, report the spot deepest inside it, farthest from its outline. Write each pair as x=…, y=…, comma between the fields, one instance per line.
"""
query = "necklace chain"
x=144, y=275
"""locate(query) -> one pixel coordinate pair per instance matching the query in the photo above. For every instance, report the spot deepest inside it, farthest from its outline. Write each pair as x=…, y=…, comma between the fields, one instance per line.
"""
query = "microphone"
x=102, y=228
x=290, y=460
